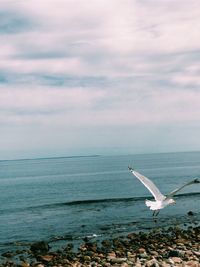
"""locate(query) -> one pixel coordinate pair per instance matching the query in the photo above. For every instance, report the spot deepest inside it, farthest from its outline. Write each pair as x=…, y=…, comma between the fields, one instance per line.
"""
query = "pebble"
x=154, y=253
x=124, y=265
x=141, y=250
x=176, y=259
x=25, y=264
x=173, y=253
x=118, y=260
x=47, y=258
x=158, y=248
x=152, y=263
x=87, y=258
x=192, y=264
x=164, y=264
x=138, y=264
x=197, y=253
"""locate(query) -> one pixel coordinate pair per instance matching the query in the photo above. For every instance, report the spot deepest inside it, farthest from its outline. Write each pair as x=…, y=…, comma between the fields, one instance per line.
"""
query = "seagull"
x=161, y=201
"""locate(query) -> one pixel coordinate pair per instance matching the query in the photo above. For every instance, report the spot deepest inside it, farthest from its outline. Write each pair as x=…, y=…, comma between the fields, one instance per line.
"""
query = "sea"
x=67, y=199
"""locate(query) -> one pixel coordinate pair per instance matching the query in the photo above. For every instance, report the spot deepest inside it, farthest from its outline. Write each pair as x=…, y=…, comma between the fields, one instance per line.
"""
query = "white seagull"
x=161, y=201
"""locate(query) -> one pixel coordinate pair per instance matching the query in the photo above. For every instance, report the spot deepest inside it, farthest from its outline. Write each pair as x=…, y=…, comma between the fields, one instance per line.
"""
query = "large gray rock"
x=41, y=247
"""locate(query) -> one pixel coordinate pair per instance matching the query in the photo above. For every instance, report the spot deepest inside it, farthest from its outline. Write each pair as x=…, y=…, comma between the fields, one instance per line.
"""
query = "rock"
x=131, y=256
x=25, y=264
x=92, y=246
x=106, y=243
x=178, y=247
x=124, y=265
x=188, y=253
x=82, y=248
x=101, y=255
x=170, y=261
x=41, y=247
x=7, y=254
x=141, y=250
x=118, y=260
x=192, y=264
x=173, y=253
x=47, y=258
x=87, y=258
x=69, y=247
x=154, y=253
x=138, y=263
x=176, y=259
x=76, y=264
x=164, y=264
x=197, y=253
x=66, y=261
x=152, y=263
x=111, y=254
x=120, y=253
x=97, y=259
x=130, y=262
x=143, y=255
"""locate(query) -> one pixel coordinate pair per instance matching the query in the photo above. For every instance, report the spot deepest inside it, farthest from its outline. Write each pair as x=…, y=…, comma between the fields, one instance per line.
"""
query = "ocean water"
x=61, y=200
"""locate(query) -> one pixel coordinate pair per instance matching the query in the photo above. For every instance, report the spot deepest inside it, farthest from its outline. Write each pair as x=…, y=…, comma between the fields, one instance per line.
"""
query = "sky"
x=81, y=77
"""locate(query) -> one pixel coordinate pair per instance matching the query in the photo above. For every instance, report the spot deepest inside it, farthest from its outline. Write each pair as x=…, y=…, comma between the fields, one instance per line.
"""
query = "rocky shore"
x=158, y=248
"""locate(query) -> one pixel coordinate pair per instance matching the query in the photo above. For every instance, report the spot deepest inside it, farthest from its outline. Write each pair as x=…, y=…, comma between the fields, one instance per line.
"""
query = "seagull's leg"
x=157, y=213
x=154, y=216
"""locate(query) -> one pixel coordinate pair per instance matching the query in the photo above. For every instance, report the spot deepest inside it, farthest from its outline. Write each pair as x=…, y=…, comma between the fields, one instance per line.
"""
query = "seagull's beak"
x=173, y=202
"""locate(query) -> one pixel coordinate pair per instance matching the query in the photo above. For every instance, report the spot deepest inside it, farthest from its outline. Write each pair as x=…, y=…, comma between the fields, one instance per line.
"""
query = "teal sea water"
x=70, y=198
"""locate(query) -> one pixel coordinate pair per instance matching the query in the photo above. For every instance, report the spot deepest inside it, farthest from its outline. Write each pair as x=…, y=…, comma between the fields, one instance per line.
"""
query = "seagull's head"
x=172, y=201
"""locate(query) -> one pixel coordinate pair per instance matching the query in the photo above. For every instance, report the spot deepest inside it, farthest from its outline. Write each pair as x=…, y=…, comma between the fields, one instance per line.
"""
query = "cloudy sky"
x=81, y=77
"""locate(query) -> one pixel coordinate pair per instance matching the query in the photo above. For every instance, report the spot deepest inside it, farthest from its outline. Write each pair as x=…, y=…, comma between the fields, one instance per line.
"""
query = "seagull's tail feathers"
x=151, y=204
x=148, y=203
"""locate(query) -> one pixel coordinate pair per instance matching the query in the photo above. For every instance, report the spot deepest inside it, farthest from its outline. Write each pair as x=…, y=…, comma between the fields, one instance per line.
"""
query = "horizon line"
x=97, y=155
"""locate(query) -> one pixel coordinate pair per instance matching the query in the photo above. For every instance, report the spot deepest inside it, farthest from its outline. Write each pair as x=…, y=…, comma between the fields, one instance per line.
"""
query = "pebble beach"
x=173, y=246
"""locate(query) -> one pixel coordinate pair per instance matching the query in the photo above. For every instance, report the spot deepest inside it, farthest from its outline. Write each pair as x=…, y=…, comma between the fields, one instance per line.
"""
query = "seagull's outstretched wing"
x=149, y=185
x=195, y=181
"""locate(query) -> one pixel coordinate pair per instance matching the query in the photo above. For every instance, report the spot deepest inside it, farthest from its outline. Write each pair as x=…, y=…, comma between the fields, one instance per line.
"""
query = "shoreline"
x=160, y=247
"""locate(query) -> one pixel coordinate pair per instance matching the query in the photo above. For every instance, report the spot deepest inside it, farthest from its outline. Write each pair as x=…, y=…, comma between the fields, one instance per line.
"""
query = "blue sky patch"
x=11, y=23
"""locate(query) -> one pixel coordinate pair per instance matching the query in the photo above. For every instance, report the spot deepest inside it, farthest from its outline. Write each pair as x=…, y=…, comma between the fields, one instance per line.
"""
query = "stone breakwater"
x=158, y=248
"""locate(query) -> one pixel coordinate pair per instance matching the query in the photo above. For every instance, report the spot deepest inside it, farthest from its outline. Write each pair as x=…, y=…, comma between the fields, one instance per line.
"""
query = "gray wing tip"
x=196, y=181
x=130, y=168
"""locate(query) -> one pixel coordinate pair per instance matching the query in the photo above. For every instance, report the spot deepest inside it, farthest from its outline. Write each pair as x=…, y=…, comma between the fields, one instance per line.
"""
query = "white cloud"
x=120, y=64
x=45, y=99
x=101, y=108
x=68, y=66
x=189, y=77
x=100, y=36
x=187, y=80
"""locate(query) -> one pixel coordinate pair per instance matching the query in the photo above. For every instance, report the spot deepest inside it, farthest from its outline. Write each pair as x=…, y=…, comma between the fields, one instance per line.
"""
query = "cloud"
x=189, y=76
x=12, y=22
x=98, y=71
x=43, y=100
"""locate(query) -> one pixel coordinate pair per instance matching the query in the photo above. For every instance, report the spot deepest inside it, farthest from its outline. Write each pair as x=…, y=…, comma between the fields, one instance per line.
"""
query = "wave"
x=95, y=201
x=87, y=202
x=129, y=199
